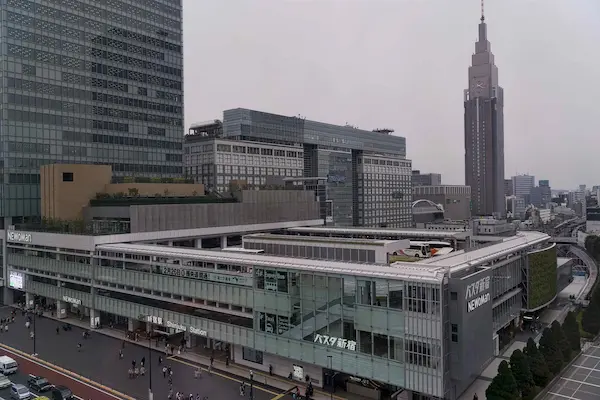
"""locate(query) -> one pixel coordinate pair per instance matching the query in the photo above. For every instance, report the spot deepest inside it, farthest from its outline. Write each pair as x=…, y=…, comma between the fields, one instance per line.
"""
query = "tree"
x=563, y=343
x=571, y=329
x=519, y=366
x=537, y=364
x=590, y=321
x=551, y=351
x=503, y=386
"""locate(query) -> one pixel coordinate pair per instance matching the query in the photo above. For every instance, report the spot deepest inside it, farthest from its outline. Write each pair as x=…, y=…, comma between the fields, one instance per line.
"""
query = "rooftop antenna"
x=482, y=13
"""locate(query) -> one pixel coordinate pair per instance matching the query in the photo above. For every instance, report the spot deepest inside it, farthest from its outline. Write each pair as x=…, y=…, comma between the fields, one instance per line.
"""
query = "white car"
x=4, y=382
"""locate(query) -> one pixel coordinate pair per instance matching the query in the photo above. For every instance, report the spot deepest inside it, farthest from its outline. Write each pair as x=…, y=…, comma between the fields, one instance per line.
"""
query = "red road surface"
x=80, y=388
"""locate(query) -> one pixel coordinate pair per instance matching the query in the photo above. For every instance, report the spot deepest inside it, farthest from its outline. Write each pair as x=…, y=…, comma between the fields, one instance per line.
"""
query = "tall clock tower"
x=484, y=131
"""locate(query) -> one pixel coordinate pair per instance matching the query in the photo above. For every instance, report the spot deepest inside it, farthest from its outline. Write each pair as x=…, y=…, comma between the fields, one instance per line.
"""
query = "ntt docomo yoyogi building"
x=421, y=330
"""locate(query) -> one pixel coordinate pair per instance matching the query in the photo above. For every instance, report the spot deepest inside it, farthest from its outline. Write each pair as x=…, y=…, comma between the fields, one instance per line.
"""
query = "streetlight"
x=34, y=334
x=251, y=385
x=150, y=394
x=330, y=364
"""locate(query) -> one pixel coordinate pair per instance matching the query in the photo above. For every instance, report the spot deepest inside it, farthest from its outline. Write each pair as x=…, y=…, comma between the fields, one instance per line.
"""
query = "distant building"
x=419, y=179
x=522, y=185
x=508, y=187
x=455, y=199
x=592, y=223
x=367, y=176
x=516, y=207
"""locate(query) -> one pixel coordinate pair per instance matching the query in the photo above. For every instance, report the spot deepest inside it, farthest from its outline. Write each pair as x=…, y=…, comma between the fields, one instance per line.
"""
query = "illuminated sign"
x=72, y=300
x=16, y=280
x=206, y=276
x=335, y=341
x=21, y=237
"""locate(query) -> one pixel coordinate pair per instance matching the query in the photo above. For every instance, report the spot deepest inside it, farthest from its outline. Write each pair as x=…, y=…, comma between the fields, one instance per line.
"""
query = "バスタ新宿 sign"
x=477, y=293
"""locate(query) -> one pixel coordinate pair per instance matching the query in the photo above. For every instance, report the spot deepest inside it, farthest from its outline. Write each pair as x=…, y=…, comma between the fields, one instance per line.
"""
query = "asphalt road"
x=99, y=361
x=80, y=390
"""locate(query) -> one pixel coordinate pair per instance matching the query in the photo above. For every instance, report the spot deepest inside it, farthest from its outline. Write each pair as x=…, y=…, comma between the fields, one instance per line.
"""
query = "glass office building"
x=367, y=175
x=89, y=82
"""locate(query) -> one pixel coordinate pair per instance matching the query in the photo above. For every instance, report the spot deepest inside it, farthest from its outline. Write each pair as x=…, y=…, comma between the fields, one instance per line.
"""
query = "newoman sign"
x=19, y=237
x=477, y=293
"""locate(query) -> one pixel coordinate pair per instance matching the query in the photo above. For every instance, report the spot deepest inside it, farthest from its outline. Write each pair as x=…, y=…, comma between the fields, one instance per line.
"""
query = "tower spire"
x=482, y=13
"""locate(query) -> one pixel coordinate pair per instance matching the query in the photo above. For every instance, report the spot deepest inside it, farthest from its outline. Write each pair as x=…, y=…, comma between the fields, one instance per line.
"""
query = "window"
x=67, y=177
x=252, y=355
x=453, y=296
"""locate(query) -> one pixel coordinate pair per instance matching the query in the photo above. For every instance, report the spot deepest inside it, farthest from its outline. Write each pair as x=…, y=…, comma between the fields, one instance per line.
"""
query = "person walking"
x=160, y=360
x=120, y=354
x=164, y=371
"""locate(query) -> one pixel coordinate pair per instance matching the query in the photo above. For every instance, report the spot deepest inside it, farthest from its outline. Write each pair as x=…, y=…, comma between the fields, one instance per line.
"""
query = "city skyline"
x=401, y=72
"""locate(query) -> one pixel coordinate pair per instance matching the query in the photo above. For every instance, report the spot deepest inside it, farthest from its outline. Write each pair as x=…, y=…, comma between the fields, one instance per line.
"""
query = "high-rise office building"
x=522, y=185
x=94, y=82
x=431, y=179
x=484, y=131
x=367, y=175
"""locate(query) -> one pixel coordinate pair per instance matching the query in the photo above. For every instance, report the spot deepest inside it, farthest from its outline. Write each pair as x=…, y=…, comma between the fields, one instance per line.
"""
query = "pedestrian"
x=143, y=361
x=160, y=360
x=57, y=330
x=242, y=389
x=170, y=372
x=123, y=344
x=197, y=396
x=78, y=347
x=132, y=363
x=5, y=328
x=27, y=324
x=212, y=360
x=227, y=361
x=142, y=371
x=120, y=354
x=170, y=395
x=171, y=380
x=31, y=335
x=164, y=371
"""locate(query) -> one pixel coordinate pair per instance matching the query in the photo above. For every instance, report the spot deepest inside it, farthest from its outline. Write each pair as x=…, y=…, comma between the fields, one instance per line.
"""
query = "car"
x=19, y=392
x=4, y=382
x=38, y=383
x=60, y=392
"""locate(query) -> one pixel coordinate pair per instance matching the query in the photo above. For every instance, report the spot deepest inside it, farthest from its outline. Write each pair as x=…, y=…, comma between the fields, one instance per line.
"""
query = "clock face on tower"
x=478, y=85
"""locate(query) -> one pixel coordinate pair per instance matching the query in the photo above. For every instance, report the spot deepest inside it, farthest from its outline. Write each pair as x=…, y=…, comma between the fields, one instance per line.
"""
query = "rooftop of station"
x=431, y=269
x=382, y=232
x=359, y=241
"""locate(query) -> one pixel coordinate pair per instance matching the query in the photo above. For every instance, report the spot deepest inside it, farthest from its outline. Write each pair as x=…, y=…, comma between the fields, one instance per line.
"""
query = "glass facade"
x=367, y=177
x=89, y=82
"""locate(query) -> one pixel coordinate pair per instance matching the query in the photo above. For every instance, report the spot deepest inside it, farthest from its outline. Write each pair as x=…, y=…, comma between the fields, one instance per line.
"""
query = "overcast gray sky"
x=403, y=64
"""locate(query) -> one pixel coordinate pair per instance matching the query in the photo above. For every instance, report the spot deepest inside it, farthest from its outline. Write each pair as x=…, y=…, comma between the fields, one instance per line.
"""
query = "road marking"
x=563, y=396
x=581, y=383
x=173, y=358
x=68, y=374
x=588, y=355
x=582, y=367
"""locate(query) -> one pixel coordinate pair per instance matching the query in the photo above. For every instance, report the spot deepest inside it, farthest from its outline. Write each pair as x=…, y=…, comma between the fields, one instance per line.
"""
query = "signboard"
x=175, y=326
x=206, y=276
x=335, y=341
x=474, y=294
x=19, y=237
x=298, y=372
x=154, y=320
x=199, y=332
x=72, y=300
x=16, y=280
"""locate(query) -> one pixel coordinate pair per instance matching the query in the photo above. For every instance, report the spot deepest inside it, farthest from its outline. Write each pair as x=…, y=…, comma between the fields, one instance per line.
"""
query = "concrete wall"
x=66, y=200
x=257, y=208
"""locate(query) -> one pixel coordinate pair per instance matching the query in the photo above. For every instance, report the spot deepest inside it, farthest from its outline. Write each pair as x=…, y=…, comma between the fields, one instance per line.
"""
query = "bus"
x=416, y=250
x=422, y=249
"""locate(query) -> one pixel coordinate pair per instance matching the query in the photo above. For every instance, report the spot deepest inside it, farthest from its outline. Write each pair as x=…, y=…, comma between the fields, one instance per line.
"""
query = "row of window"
x=152, y=4
x=75, y=48
x=77, y=136
x=75, y=63
x=63, y=91
x=257, y=150
x=123, y=8
x=98, y=13
x=63, y=30
x=78, y=108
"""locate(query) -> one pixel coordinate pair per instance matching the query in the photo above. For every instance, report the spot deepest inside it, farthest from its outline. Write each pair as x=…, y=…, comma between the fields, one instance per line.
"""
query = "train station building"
x=328, y=310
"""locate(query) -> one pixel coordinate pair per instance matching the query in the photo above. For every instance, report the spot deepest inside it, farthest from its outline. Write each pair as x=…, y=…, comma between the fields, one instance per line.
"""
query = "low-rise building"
x=455, y=199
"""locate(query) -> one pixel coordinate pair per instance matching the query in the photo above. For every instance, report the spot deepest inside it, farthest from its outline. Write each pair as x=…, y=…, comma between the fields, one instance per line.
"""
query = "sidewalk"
x=194, y=359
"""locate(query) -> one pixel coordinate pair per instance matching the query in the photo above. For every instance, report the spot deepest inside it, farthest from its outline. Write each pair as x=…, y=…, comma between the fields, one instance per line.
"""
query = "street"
x=99, y=361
